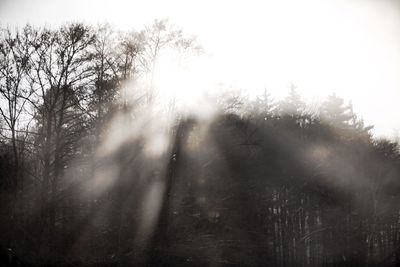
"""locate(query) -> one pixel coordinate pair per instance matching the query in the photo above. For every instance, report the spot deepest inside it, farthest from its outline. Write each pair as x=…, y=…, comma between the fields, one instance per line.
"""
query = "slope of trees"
x=90, y=177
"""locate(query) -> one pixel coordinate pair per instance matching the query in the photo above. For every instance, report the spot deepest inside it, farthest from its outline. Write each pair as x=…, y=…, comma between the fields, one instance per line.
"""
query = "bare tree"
x=158, y=37
x=61, y=74
x=15, y=93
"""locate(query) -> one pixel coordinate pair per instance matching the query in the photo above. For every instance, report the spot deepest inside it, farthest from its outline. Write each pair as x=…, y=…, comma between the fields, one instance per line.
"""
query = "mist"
x=266, y=142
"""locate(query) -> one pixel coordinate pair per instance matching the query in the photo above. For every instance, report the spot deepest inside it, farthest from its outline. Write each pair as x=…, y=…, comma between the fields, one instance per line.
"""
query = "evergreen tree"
x=336, y=113
x=292, y=104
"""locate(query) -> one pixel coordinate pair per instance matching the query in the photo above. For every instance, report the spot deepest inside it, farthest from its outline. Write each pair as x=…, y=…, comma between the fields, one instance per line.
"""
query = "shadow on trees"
x=263, y=185
x=238, y=191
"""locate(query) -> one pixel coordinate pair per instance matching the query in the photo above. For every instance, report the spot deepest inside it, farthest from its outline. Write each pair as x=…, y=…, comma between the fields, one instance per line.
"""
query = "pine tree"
x=292, y=104
x=336, y=113
x=263, y=105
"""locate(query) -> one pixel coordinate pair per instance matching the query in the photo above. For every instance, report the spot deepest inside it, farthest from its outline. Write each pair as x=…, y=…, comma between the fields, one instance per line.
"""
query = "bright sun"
x=183, y=80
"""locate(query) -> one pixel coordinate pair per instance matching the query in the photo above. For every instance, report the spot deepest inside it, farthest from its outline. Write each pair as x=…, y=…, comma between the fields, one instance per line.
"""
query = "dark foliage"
x=259, y=184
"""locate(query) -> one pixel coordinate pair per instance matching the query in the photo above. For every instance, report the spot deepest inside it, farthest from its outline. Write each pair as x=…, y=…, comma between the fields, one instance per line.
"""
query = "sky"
x=351, y=48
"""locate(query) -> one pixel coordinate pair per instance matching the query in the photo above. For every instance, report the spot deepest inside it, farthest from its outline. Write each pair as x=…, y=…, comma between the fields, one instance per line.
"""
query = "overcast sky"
x=348, y=47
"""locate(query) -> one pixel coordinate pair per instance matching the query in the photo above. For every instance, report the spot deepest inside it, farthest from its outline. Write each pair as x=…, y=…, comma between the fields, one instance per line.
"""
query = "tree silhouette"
x=92, y=175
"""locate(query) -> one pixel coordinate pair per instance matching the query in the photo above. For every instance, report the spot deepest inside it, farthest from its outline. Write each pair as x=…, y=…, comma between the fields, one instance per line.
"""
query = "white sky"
x=350, y=47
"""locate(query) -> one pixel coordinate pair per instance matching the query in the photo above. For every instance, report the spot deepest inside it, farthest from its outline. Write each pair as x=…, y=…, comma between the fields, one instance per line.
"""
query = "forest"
x=96, y=171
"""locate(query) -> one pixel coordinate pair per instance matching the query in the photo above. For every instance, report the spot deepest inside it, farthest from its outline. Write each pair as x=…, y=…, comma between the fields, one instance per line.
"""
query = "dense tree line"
x=91, y=175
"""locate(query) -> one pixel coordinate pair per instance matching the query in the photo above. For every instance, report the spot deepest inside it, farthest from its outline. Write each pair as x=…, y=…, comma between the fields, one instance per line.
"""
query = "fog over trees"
x=96, y=170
